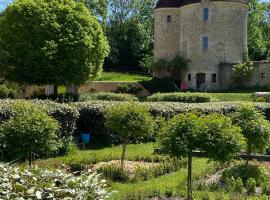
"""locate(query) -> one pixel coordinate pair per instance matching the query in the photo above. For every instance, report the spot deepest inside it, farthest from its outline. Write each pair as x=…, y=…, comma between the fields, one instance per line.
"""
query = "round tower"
x=206, y=32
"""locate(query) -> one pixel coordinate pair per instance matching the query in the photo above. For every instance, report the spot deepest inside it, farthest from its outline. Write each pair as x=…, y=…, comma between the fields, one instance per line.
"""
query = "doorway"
x=200, y=82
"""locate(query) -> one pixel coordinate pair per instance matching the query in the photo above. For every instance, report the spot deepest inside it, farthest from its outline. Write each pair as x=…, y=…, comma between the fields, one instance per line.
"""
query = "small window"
x=205, y=14
x=214, y=78
x=205, y=43
x=189, y=77
x=262, y=75
x=169, y=18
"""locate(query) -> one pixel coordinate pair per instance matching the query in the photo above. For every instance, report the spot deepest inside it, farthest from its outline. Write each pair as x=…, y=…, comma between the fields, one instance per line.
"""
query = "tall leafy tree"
x=257, y=25
x=99, y=9
x=50, y=42
x=130, y=32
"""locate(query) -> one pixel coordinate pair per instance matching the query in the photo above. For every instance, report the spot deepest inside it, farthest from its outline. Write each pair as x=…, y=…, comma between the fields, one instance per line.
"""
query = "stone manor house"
x=212, y=34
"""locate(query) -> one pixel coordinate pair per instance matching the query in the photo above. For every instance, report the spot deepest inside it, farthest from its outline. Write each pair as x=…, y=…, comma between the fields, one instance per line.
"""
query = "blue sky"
x=4, y=3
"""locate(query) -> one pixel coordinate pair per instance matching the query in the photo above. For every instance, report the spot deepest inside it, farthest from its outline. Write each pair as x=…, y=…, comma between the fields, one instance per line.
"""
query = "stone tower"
x=206, y=32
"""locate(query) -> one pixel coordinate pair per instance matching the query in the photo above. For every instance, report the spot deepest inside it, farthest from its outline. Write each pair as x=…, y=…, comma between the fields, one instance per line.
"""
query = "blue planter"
x=85, y=138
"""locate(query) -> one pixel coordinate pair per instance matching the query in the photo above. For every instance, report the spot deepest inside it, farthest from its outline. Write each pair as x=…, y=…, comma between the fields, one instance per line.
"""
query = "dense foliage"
x=36, y=183
x=255, y=128
x=6, y=92
x=129, y=119
x=92, y=113
x=50, y=42
x=66, y=115
x=29, y=133
x=214, y=134
x=107, y=97
x=180, y=97
x=242, y=73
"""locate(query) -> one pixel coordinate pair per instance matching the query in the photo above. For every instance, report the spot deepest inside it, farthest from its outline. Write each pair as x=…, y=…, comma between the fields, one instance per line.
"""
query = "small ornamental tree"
x=30, y=132
x=50, y=42
x=255, y=128
x=187, y=132
x=129, y=119
x=242, y=73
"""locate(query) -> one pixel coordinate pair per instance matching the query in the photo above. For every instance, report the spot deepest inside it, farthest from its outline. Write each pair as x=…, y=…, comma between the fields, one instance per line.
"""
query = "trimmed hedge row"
x=180, y=97
x=92, y=117
x=65, y=114
x=107, y=97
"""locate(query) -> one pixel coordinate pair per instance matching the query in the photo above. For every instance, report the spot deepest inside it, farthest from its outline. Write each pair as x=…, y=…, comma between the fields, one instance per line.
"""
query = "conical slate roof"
x=180, y=3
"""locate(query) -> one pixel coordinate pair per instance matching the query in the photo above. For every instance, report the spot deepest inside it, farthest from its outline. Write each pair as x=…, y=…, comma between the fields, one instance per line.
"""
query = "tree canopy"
x=50, y=42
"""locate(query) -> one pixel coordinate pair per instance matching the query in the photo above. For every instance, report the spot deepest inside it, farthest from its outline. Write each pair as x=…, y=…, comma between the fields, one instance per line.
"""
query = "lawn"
x=233, y=96
x=122, y=77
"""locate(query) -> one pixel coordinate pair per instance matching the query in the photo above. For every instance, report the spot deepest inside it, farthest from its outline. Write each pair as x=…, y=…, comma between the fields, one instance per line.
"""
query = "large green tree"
x=258, y=30
x=130, y=30
x=50, y=42
x=98, y=7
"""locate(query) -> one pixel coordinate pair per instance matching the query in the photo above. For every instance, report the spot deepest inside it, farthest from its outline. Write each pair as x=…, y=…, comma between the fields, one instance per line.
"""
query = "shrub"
x=251, y=186
x=6, y=92
x=261, y=99
x=127, y=89
x=159, y=85
x=180, y=97
x=113, y=172
x=107, y=97
x=127, y=120
x=30, y=132
x=36, y=183
x=245, y=172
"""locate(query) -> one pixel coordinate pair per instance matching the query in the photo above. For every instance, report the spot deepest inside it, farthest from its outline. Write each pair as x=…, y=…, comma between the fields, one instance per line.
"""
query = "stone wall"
x=260, y=76
x=94, y=86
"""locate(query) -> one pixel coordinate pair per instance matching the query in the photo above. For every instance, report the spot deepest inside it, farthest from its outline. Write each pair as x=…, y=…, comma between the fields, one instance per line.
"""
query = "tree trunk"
x=248, y=154
x=123, y=153
x=190, y=176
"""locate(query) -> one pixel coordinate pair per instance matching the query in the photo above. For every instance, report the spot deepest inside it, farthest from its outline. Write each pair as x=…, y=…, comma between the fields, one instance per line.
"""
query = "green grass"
x=122, y=77
x=233, y=96
x=136, y=152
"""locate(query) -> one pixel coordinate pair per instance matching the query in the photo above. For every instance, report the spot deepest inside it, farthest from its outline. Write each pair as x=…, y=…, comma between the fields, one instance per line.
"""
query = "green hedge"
x=65, y=114
x=107, y=97
x=180, y=97
x=92, y=113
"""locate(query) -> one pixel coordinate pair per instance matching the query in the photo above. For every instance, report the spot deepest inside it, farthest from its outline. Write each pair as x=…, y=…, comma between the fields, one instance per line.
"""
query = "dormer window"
x=169, y=18
x=205, y=14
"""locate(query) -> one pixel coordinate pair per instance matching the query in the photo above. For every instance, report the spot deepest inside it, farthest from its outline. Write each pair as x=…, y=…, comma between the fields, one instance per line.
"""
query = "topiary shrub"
x=129, y=119
x=107, y=97
x=180, y=97
x=255, y=128
x=37, y=183
x=29, y=133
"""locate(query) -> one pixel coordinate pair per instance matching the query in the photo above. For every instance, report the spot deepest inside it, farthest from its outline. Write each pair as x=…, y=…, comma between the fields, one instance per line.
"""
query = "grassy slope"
x=122, y=77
